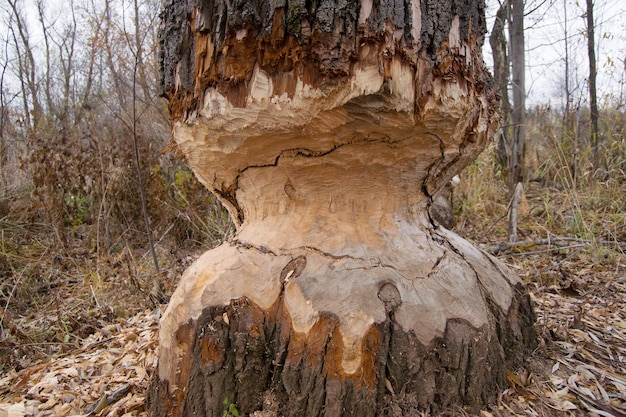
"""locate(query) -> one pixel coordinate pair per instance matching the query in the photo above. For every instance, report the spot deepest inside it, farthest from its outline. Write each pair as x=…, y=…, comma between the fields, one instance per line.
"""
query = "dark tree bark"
x=326, y=128
x=567, y=92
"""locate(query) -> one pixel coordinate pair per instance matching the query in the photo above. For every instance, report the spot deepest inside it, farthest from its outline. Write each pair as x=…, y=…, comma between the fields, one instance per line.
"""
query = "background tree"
x=5, y=101
x=593, y=95
x=518, y=113
x=502, y=75
x=510, y=148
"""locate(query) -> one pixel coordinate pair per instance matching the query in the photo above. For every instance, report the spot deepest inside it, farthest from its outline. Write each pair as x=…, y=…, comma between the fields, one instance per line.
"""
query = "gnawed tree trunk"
x=325, y=128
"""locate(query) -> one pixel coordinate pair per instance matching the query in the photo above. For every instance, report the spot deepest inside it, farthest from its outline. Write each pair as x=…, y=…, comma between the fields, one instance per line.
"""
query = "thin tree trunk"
x=3, y=119
x=568, y=98
x=28, y=71
x=22, y=71
x=119, y=90
x=142, y=191
x=66, y=58
x=140, y=36
x=593, y=97
x=567, y=130
x=518, y=114
x=46, y=38
x=94, y=51
x=518, y=66
x=502, y=75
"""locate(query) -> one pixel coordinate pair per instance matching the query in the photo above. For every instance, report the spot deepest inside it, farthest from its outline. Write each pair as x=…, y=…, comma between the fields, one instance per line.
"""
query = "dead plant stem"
x=142, y=191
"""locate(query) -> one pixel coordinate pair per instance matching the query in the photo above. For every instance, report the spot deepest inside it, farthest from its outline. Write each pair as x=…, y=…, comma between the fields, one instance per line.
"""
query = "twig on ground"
x=526, y=244
x=559, y=243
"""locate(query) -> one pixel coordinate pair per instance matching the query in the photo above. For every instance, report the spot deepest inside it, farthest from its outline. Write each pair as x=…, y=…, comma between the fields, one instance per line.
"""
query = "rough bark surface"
x=326, y=128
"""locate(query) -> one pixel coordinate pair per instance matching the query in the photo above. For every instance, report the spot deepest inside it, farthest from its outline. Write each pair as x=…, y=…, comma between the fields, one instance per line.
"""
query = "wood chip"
x=108, y=376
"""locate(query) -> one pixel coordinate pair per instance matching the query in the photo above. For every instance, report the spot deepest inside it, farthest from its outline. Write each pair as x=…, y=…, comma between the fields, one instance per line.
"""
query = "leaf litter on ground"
x=579, y=368
x=107, y=376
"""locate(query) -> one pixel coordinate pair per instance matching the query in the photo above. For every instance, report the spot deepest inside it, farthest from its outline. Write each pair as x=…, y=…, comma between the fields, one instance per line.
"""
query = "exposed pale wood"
x=326, y=129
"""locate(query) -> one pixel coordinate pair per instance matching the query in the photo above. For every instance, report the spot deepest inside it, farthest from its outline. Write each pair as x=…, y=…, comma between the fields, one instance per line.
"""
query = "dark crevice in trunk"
x=260, y=249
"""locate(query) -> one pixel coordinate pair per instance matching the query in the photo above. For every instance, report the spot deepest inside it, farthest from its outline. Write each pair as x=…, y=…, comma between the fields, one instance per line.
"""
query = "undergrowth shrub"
x=568, y=192
x=73, y=243
x=189, y=212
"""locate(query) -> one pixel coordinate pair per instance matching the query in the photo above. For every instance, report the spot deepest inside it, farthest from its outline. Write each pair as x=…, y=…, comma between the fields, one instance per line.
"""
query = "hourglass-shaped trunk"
x=325, y=128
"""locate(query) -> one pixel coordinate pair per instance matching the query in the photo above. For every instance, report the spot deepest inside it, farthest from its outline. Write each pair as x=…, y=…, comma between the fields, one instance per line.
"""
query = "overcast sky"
x=545, y=49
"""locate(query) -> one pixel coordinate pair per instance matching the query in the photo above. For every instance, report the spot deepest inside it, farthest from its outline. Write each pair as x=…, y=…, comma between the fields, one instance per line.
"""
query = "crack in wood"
x=230, y=194
x=425, y=190
x=292, y=270
x=261, y=249
x=433, y=269
x=227, y=196
x=329, y=255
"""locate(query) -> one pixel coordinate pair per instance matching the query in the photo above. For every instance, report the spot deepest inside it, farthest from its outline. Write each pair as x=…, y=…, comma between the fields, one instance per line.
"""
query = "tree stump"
x=325, y=128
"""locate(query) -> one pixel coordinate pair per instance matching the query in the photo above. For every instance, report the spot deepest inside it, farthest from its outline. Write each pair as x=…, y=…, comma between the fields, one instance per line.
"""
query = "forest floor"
x=88, y=344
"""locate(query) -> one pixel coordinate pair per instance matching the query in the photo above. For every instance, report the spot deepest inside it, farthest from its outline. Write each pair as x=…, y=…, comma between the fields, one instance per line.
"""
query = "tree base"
x=239, y=351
